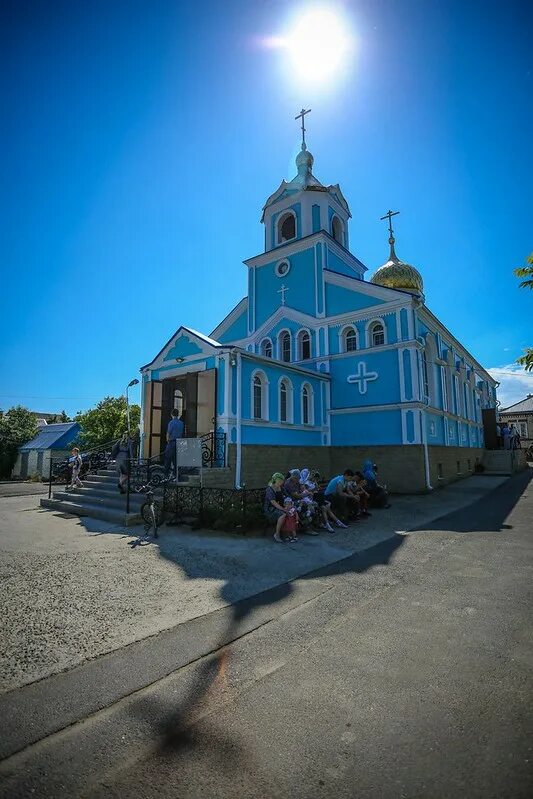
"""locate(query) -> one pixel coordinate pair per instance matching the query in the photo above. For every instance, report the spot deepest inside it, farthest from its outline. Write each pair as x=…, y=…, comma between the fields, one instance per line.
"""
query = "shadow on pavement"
x=174, y=727
x=484, y=516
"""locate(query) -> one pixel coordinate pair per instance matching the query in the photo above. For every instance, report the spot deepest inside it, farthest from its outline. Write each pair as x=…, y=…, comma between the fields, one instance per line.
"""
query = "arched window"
x=179, y=401
x=285, y=346
x=304, y=346
x=377, y=334
x=349, y=339
x=336, y=230
x=307, y=404
x=286, y=227
x=266, y=348
x=283, y=401
x=258, y=397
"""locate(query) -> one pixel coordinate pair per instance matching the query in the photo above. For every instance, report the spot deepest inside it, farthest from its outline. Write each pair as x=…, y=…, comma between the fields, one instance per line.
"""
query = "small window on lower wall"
x=469, y=465
x=440, y=473
x=458, y=467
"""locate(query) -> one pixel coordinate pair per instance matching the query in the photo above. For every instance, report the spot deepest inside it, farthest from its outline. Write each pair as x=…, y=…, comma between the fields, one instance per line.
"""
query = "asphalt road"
x=401, y=671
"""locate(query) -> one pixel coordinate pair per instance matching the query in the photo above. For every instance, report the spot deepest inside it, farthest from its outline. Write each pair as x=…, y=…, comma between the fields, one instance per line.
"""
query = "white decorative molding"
x=362, y=377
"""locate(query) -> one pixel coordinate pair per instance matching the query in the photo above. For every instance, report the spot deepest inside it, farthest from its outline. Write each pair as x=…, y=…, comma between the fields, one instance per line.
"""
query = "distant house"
x=521, y=415
x=52, y=441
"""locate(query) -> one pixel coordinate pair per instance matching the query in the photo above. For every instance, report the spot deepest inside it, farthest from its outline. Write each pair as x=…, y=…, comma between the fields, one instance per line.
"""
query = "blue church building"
x=319, y=365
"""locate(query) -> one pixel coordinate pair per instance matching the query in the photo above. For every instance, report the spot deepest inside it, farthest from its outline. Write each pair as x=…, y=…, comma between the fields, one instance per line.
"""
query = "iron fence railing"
x=222, y=508
x=213, y=449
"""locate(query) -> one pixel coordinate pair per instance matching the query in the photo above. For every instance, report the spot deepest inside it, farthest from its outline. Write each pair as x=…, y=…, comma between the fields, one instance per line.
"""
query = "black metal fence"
x=217, y=508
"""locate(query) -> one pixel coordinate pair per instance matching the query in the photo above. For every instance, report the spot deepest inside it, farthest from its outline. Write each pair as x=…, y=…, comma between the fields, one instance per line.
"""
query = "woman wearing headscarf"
x=273, y=507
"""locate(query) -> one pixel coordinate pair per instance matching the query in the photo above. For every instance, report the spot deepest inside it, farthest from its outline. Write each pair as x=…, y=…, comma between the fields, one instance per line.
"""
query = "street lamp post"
x=130, y=384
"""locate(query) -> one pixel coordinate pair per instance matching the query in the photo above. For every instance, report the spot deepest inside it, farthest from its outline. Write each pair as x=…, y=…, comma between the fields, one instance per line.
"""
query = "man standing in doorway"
x=174, y=431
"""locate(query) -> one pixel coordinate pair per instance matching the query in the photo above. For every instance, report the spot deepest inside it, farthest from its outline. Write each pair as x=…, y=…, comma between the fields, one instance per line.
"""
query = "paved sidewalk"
x=75, y=589
x=13, y=488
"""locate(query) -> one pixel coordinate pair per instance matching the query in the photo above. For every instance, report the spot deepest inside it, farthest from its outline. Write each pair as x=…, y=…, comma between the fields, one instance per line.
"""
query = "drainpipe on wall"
x=239, y=415
x=426, y=452
x=423, y=430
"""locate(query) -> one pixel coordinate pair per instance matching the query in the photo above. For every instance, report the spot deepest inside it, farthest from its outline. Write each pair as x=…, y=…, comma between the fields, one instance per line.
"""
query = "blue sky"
x=142, y=140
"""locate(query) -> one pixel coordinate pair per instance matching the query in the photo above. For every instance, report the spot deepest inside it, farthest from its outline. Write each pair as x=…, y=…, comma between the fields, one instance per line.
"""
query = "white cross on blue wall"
x=362, y=377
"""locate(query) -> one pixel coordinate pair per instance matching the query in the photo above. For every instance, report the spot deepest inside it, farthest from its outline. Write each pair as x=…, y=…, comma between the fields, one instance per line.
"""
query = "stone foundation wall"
x=400, y=468
x=448, y=458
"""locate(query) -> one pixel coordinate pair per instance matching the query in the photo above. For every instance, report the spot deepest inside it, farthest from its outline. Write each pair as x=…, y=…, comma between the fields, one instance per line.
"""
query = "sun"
x=318, y=44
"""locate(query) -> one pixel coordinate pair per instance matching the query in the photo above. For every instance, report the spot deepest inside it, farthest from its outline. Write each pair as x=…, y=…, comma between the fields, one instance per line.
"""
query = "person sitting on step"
x=343, y=501
x=273, y=507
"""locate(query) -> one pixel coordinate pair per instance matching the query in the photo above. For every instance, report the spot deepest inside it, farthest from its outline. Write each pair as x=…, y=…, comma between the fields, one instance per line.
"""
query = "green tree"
x=526, y=360
x=17, y=426
x=107, y=421
x=63, y=417
x=527, y=272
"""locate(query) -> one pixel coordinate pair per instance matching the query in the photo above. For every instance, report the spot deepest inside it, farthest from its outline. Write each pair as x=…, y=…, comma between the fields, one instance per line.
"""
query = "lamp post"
x=133, y=382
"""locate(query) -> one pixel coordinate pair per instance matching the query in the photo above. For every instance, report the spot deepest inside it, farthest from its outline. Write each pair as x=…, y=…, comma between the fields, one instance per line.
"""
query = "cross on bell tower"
x=301, y=116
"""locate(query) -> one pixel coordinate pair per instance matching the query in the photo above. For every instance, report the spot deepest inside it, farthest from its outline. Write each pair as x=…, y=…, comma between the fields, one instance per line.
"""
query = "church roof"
x=206, y=339
x=304, y=180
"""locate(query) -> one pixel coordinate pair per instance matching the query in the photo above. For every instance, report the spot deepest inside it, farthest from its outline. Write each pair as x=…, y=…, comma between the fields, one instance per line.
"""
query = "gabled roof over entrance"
x=184, y=343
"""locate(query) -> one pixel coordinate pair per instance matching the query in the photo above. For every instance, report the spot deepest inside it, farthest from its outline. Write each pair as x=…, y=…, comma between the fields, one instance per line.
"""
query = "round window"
x=282, y=268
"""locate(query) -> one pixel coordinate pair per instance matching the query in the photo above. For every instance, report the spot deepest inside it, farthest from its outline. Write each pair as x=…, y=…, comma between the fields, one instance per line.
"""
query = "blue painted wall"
x=366, y=428
x=273, y=374
x=160, y=374
x=300, y=282
x=336, y=264
x=316, y=218
x=236, y=331
x=382, y=391
x=340, y=300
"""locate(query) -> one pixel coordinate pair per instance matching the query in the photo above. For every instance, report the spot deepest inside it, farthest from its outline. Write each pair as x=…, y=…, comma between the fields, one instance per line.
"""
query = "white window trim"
x=264, y=395
x=281, y=216
x=280, y=348
x=342, y=338
x=369, y=334
x=311, y=407
x=290, y=400
x=264, y=340
x=458, y=398
x=299, y=345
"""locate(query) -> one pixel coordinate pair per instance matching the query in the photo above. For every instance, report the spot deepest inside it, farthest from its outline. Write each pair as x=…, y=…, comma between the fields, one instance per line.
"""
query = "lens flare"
x=319, y=44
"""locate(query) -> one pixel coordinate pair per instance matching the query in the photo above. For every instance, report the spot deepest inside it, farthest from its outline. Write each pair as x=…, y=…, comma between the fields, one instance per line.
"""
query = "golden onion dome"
x=396, y=274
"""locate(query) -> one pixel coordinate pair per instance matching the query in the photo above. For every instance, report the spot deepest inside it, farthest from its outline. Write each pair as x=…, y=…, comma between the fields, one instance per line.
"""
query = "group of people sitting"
x=301, y=501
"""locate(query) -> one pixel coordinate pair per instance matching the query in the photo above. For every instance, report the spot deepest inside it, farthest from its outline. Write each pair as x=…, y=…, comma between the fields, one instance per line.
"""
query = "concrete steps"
x=503, y=462
x=99, y=498
x=114, y=515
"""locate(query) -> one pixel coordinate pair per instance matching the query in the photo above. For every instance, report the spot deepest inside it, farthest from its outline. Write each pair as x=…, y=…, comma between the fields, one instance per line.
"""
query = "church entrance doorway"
x=193, y=395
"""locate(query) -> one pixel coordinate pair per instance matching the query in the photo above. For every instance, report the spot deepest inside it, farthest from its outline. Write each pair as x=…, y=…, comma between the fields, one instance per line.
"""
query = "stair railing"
x=213, y=449
x=93, y=459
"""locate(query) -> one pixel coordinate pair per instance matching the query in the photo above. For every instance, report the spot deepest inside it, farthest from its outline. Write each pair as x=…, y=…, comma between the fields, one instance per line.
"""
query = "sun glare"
x=318, y=44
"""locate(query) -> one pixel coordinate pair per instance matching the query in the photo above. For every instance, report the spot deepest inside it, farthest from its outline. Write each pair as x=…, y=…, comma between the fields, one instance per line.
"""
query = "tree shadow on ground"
x=190, y=723
x=175, y=727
